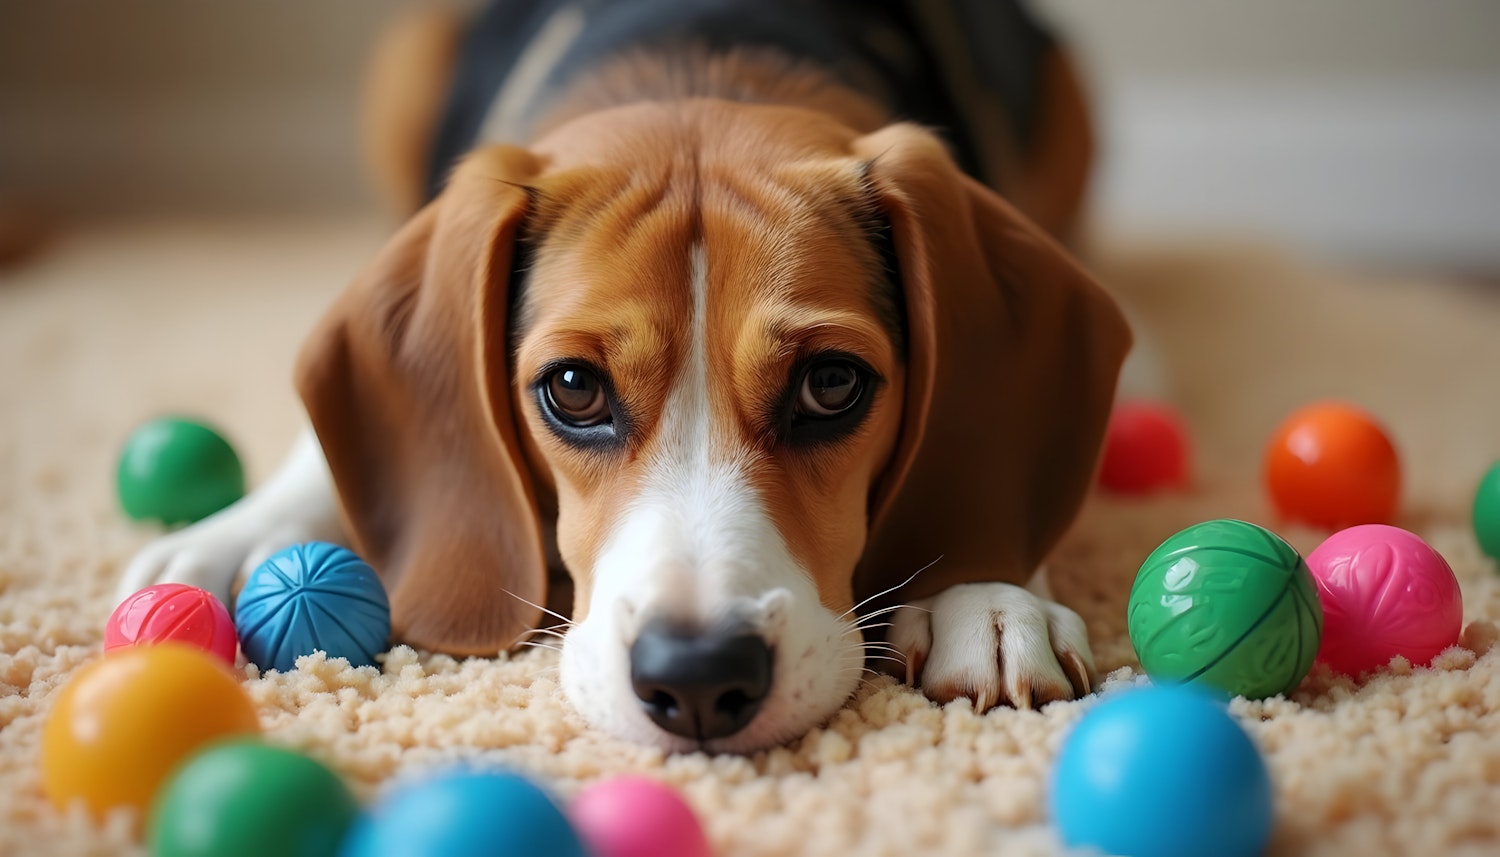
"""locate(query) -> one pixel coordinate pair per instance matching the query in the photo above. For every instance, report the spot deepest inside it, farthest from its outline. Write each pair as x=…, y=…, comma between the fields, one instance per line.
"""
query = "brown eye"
x=829, y=388
x=576, y=397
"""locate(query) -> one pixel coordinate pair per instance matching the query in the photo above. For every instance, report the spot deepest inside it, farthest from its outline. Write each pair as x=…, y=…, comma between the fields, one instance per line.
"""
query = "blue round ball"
x=312, y=597
x=465, y=813
x=1162, y=772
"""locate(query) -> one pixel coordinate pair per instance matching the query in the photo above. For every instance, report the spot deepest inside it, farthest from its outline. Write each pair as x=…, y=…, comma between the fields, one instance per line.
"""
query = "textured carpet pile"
x=116, y=325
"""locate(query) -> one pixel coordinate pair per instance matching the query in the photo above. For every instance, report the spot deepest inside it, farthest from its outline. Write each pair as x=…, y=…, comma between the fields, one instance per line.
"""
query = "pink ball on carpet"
x=176, y=612
x=637, y=817
x=1385, y=592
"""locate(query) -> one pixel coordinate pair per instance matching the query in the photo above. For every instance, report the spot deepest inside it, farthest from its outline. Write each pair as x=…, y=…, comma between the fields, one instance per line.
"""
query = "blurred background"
x=1364, y=131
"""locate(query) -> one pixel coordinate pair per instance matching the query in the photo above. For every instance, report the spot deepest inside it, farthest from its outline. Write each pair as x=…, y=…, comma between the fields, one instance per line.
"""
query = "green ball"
x=177, y=471
x=1229, y=605
x=242, y=799
x=1487, y=512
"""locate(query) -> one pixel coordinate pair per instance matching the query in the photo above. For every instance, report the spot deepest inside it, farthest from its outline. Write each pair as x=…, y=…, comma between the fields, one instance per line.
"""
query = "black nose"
x=700, y=686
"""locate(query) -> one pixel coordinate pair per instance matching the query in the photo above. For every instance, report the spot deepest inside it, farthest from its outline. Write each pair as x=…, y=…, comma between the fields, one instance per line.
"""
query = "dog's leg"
x=296, y=505
x=994, y=643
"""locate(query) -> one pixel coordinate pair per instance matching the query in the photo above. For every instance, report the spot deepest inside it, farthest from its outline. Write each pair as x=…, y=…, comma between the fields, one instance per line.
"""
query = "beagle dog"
x=712, y=314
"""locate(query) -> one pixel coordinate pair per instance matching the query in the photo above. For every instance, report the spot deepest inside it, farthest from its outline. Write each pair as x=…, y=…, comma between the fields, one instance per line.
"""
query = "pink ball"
x=1385, y=592
x=176, y=612
x=637, y=817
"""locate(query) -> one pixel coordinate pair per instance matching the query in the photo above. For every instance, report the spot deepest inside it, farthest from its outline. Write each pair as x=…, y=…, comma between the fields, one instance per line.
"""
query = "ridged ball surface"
x=176, y=612
x=1385, y=592
x=312, y=597
x=1229, y=605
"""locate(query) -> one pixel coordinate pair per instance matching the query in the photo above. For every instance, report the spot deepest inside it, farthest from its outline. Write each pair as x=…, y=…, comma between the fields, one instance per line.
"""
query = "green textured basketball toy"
x=1229, y=605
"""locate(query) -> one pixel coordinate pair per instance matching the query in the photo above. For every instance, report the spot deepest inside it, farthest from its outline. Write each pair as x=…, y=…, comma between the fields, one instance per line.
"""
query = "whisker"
x=535, y=645
x=554, y=613
x=884, y=610
x=549, y=632
x=885, y=647
x=884, y=658
x=914, y=574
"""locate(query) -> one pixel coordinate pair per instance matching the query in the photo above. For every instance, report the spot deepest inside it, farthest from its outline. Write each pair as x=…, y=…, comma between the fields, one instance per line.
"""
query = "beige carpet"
x=116, y=325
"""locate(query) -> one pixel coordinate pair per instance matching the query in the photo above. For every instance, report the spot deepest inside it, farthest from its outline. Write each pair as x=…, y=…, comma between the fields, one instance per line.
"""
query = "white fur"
x=297, y=504
x=997, y=641
x=696, y=546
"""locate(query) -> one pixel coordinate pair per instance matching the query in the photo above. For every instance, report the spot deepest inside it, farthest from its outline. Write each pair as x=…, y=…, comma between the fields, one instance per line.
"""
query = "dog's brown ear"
x=407, y=383
x=1013, y=356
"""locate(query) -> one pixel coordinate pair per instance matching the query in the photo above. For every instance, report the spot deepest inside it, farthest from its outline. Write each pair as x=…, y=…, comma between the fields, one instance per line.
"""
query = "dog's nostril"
x=700, y=686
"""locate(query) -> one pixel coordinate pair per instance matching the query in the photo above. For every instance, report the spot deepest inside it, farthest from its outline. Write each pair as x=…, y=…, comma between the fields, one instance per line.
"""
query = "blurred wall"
x=1352, y=126
x=132, y=106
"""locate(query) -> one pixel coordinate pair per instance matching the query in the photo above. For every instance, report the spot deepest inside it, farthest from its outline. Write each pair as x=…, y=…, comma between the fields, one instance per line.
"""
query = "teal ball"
x=312, y=597
x=1228, y=605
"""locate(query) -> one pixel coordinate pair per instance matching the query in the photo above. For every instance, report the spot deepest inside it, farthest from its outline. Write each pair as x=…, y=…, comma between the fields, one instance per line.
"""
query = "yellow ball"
x=124, y=723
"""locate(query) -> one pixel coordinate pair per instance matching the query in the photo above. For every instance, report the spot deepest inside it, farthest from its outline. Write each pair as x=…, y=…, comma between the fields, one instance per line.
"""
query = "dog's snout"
x=700, y=686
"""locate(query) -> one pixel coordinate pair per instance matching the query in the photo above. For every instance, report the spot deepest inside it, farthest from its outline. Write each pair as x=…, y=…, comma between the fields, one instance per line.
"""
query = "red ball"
x=176, y=612
x=1145, y=449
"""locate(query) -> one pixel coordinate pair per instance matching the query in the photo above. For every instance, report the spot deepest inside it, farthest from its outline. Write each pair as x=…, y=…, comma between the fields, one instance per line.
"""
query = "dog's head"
x=753, y=364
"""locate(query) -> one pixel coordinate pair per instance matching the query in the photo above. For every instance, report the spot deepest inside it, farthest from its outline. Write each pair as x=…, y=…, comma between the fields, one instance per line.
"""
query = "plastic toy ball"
x=1384, y=593
x=1161, y=772
x=1487, y=512
x=637, y=817
x=243, y=799
x=312, y=597
x=172, y=611
x=123, y=723
x=1332, y=465
x=1229, y=605
x=177, y=471
x=1145, y=449
x=465, y=812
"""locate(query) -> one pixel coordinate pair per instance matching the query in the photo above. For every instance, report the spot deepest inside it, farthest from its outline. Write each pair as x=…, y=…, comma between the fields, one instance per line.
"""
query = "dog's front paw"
x=994, y=643
x=209, y=555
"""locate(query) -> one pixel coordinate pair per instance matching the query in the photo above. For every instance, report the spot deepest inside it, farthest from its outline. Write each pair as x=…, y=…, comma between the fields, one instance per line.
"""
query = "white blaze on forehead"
x=695, y=546
x=697, y=536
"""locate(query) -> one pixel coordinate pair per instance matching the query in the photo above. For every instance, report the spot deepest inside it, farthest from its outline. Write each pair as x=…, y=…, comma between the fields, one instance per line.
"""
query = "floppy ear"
x=407, y=383
x=1013, y=355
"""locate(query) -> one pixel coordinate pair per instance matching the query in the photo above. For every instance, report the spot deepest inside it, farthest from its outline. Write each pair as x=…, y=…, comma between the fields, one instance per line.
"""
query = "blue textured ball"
x=312, y=597
x=465, y=812
x=1162, y=772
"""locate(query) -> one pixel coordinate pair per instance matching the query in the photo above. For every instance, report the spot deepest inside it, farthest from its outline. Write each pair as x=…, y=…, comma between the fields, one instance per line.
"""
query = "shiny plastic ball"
x=312, y=597
x=637, y=817
x=1332, y=465
x=122, y=724
x=173, y=612
x=465, y=812
x=1161, y=772
x=245, y=799
x=1229, y=605
x=1145, y=449
x=1385, y=592
x=177, y=471
x=1486, y=515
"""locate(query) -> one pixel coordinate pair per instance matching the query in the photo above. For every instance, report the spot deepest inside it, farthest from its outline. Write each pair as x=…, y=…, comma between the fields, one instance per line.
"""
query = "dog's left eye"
x=830, y=388
x=576, y=396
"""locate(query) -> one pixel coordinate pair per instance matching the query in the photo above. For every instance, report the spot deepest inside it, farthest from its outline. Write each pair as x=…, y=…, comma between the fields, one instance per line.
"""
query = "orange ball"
x=125, y=722
x=1331, y=465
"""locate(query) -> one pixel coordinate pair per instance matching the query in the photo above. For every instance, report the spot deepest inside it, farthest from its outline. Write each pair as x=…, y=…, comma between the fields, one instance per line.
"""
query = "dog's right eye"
x=575, y=396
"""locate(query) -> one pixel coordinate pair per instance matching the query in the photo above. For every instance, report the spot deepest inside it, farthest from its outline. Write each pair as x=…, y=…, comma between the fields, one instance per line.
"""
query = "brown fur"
x=978, y=447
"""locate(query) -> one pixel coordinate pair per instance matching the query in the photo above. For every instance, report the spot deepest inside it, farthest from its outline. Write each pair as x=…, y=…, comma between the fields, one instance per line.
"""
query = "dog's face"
x=760, y=366
x=706, y=367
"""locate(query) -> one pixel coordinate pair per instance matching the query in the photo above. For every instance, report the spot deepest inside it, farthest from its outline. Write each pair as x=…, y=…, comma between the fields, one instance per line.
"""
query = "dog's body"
x=731, y=346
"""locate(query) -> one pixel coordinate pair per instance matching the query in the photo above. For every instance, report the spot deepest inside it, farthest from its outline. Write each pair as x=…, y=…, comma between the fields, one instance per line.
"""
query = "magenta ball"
x=1385, y=592
x=637, y=817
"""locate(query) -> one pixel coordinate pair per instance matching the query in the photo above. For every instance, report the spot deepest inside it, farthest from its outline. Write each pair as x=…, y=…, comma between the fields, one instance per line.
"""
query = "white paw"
x=994, y=643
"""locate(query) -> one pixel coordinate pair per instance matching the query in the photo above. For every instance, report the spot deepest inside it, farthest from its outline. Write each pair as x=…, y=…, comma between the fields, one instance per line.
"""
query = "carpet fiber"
x=116, y=325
